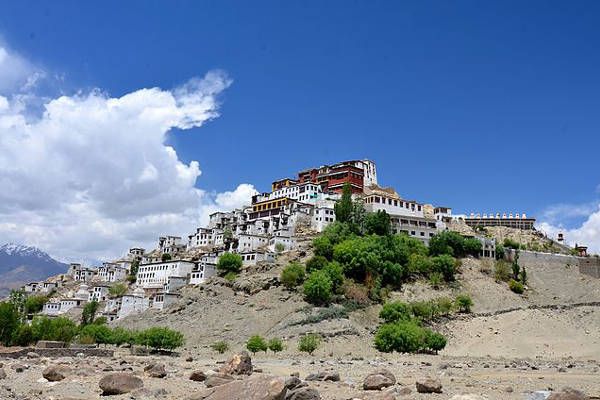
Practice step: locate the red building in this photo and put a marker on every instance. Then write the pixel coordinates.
(332, 178)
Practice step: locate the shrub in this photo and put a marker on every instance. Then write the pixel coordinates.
(395, 311)
(101, 334)
(256, 343)
(89, 312)
(220, 347)
(100, 321)
(336, 274)
(22, 336)
(160, 338)
(316, 263)
(515, 286)
(499, 252)
(511, 244)
(425, 309)
(419, 264)
(275, 345)
(473, 247)
(121, 336)
(317, 288)
(165, 257)
(61, 329)
(229, 262)
(502, 271)
(377, 223)
(230, 276)
(434, 341)
(279, 247)
(444, 264)
(447, 242)
(444, 305)
(292, 275)
(9, 322)
(400, 336)
(436, 279)
(322, 247)
(309, 343)
(116, 290)
(523, 276)
(34, 304)
(356, 293)
(464, 303)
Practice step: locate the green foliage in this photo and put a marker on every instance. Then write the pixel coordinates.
(133, 270)
(377, 223)
(229, 262)
(516, 269)
(336, 274)
(447, 242)
(318, 287)
(9, 322)
(322, 314)
(473, 247)
(34, 304)
(279, 247)
(434, 341)
(116, 290)
(275, 345)
(322, 247)
(292, 275)
(316, 263)
(444, 264)
(309, 343)
(523, 276)
(511, 244)
(230, 276)
(220, 347)
(89, 312)
(336, 232)
(499, 252)
(424, 310)
(395, 311)
(100, 321)
(400, 336)
(22, 336)
(343, 208)
(464, 303)
(436, 279)
(516, 287)
(101, 334)
(256, 343)
(502, 271)
(160, 338)
(165, 257)
(227, 233)
(61, 329)
(419, 264)
(444, 305)
(18, 298)
(121, 336)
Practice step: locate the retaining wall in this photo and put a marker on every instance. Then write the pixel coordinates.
(587, 265)
(58, 352)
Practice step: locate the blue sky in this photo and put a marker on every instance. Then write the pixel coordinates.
(482, 106)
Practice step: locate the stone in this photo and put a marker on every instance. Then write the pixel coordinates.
(55, 373)
(405, 391)
(32, 354)
(198, 376)
(466, 397)
(379, 379)
(155, 370)
(332, 376)
(119, 383)
(258, 387)
(303, 393)
(2, 373)
(19, 367)
(292, 382)
(217, 380)
(429, 385)
(238, 364)
(568, 394)
(189, 359)
(50, 344)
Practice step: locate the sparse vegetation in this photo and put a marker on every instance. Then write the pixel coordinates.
(275, 345)
(464, 303)
(407, 336)
(309, 343)
(279, 247)
(292, 275)
(256, 343)
(165, 257)
(229, 262)
(117, 290)
(220, 347)
(516, 286)
(502, 271)
(89, 312)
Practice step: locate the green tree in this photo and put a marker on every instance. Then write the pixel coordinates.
(275, 345)
(464, 303)
(22, 336)
(121, 336)
(101, 334)
(523, 276)
(317, 288)
(227, 233)
(117, 290)
(18, 298)
(322, 247)
(473, 247)
(516, 269)
(9, 321)
(229, 262)
(343, 207)
(447, 242)
(400, 336)
(499, 252)
(316, 263)
(256, 343)
(444, 264)
(165, 257)
(159, 338)
(35, 304)
(133, 270)
(309, 343)
(378, 223)
(434, 341)
(89, 313)
(292, 275)
(336, 274)
(61, 329)
(395, 311)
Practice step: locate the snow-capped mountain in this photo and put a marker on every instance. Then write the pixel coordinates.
(20, 264)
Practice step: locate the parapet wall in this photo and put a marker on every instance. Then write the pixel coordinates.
(57, 352)
(587, 265)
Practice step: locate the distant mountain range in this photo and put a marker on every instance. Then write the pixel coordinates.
(20, 264)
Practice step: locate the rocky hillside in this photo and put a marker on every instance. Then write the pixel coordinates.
(20, 264)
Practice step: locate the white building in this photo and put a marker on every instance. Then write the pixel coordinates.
(70, 303)
(203, 237)
(287, 242)
(134, 302)
(202, 272)
(163, 300)
(253, 257)
(154, 275)
(323, 215)
(175, 283)
(98, 293)
(32, 287)
(112, 272)
(83, 292)
(51, 308)
(81, 273)
(170, 244)
(249, 242)
(136, 253)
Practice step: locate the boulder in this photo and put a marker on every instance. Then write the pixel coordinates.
(332, 376)
(55, 373)
(429, 385)
(259, 387)
(292, 382)
(239, 364)
(32, 354)
(198, 376)
(2, 373)
(568, 394)
(379, 379)
(155, 370)
(217, 380)
(303, 393)
(119, 383)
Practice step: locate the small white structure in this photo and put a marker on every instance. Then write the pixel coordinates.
(31, 287)
(68, 304)
(249, 242)
(81, 273)
(83, 293)
(202, 272)
(162, 300)
(155, 275)
(98, 293)
(111, 272)
(253, 257)
(134, 302)
(51, 308)
(175, 283)
(287, 242)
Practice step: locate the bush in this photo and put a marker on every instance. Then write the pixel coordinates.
(9, 322)
(316, 263)
(317, 288)
(322, 247)
(220, 347)
(89, 312)
(425, 310)
(256, 343)
(165, 257)
(436, 279)
(336, 274)
(395, 311)
(444, 305)
(444, 264)
(511, 244)
(275, 345)
(35, 304)
(309, 343)
(101, 334)
(159, 338)
(419, 264)
(229, 262)
(515, 286)
(61, 329)
(230, 276)
(400, 336)
(377, 223)
(22, 336)
(499, 252)
(279, 247)
(502, 271)
(447, 242)
(473, 247)
(434, 341)
(292, 275)
(464, 303)
(116, 290)
(121, 336)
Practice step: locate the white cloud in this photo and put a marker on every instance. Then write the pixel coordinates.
(587, 233)
(92, 176)
(17, 73)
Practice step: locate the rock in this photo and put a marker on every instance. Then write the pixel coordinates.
(189, 359)
(332, 376)
(55, 373)
(19, 367)
(119, 383)
(2, 373)
(198, 376)
(404, 391)
(429, 385)
(292, 382)
(32, 354)
(217, 380)
(379, 379)
(303, 393)
(379, 396)
(155, 370)
(239, 364)
(568, 394)
(466, 397)
(539, 395)
(258, 387)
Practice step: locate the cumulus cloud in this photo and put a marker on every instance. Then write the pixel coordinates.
(17, 73)
(587, 233)
(93, 176)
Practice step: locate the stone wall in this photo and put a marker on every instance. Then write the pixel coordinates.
(587, 265)
(57, 352)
